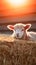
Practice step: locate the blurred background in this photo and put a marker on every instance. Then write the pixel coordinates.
(16, 11)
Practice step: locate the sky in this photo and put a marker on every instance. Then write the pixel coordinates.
(17, 10)
(8, 7)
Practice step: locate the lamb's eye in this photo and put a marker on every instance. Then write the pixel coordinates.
(22, 29)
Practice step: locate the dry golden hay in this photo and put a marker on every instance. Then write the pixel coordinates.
(10, 39)
(17, 52)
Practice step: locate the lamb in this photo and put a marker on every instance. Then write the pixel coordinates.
(21, 31)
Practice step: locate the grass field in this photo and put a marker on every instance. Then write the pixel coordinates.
(16, 52)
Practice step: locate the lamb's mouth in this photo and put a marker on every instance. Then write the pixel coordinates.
(19, 37)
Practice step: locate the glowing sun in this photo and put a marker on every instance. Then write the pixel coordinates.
(16, 2)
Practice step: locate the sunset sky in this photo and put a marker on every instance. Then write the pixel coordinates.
(17, 7)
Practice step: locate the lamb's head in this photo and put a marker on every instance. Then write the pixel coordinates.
(19, 29)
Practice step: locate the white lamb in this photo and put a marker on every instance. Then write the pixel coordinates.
(21, 31)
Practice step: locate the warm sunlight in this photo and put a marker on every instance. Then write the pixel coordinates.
(16, 2)
(17, 7)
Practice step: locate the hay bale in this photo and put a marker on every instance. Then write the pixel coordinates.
(17, 52)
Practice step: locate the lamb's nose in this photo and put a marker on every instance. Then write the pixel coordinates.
(17, 35)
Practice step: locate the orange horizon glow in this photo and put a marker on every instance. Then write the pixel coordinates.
(17, 7)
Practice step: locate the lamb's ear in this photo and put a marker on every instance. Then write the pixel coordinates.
(11, 27)
(27, 26)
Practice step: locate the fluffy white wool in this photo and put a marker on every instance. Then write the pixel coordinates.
(21, 31)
